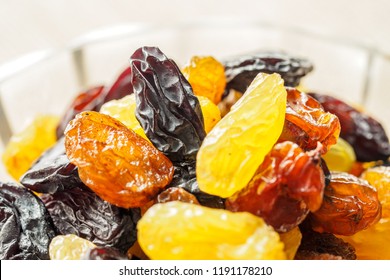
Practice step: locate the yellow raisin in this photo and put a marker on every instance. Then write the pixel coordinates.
(26, 146)
(211, 113)
(236, 146)
(292, 240)
(124, 110)
(69, 247)
(374, 242)
(179, 230)
(340, 157)
(206, 76)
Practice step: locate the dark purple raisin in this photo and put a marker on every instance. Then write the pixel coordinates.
(26, 226)
(105, 253)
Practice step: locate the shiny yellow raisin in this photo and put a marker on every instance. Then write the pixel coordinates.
(124, 110)
(26, 146)
(179, 230)
(69, 247)
(374, 242)
(292, 240)
(210, 111)
(206, 76)
(340, 157)
(236, 146)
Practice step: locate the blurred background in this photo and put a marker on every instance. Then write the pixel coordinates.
(52, 49)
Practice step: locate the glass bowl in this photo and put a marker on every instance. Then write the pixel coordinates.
(46, 81)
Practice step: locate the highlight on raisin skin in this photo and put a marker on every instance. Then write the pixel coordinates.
(307, 123)
(374, 242)
(286, 186)
(206, 76)
(116, 163)
(185, 231)
(238, 143)
(350, 205)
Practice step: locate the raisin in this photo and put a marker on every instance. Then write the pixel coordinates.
(340, 157)
(106, 253)
(167, 109)
(26, 146)
(211, 113)
(226, 103)
(241, 71)
(206, 76)
(323, 246)
(189, 231)
(350, 204)
(69, 247)
(365, 134)
(286, 186)
(81, 212)
(124, 110)
(85, 101)
(116, 163)
(307, 123)
(26, 226)
(291, 240)
(374, 242)
(52, 172)
(238, 143)
(176, 194)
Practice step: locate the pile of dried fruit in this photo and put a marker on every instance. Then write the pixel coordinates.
(217, 160)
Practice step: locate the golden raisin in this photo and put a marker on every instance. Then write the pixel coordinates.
(350, 205)
(211, 113)
(206, 76)
(340, 157)
(238, 143)
(291, 240)
(69, 247)
(124, 110)
(179, 230)
(26, 146)
(116, 163)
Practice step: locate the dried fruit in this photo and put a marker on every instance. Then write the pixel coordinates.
(69, 247)
(81, 212)
(374, 242)
(52, 172)
(115, 162)
(307, 123)
(124, 110)
(176, 194)
(350, 204)
(340, 157)
(167, 109)
(26, 146)
(364, 133)
(194, 232)
(287, 185)
(26, 226)
(291, 240)
(238, 143)
(106, 253)
(206, 76)
(241, 71)
(211, 113)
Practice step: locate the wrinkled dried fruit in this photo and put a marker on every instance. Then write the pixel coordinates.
(374, 242)
(238, 143)
(81, 212)
(124, 111)
(69, 247)
(291, 240)
(206, 76)
(176, 194)
(340, 157)
(230, 99)
(307, 123)
(211, 113)
(115, 162)
(26, 146)
(195, 232)
(26, 226)
(350, 204)
(106, 253)
(167, 109)
(364, 133)
(52, 172)
(241, 71)
(286, 186)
